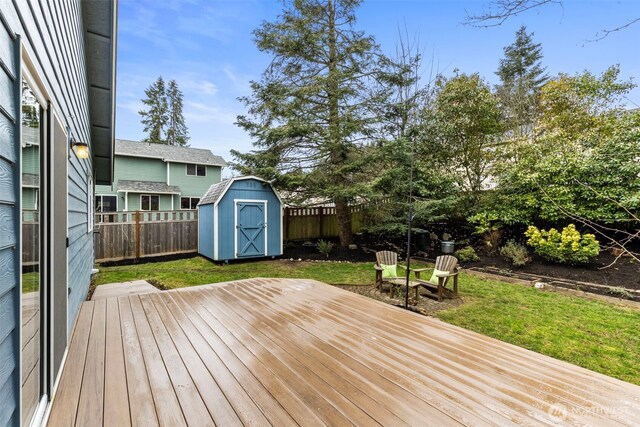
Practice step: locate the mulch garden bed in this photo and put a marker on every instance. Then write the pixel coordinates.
(625, 273)
(609, 279)
(308, 252)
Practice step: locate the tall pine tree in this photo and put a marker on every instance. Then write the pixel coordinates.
(177, 132)
(155, 118)
(521, 77)
(310, 114)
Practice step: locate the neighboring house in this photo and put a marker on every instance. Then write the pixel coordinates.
(151, 177)
(57, 90)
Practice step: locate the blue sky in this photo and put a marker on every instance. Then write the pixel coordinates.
(207, 47)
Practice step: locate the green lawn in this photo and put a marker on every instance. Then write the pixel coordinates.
(596, 335)
(593, 334)
(199, 271)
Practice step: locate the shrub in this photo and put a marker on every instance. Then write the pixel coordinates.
(383, 231)
(467, 254)
(324, 247)
(516, 253)
(491, 241)
(487, 226)
(568, 247)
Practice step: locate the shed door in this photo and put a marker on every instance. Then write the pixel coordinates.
(250, 229)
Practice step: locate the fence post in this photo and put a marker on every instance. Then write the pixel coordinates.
(321, 208)
(137, 217)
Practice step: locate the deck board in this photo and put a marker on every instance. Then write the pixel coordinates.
(142, 408)
(164, 396)
(378, 370)
(370, 397)
(259, 383)
(189, 398)
(221, 412)
(91, 400)
(511, 368)
(65, 404)
(298, 352)
(116, 395)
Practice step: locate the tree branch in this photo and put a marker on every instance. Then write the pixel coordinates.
(604, 33)
(501, 10)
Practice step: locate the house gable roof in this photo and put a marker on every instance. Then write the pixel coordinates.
(168, 153)
(217, 191)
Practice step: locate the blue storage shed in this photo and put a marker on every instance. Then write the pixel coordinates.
(240, 218)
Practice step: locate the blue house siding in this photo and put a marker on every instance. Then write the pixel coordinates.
(10, 184)
(205, 228)
(248, 190)
(51, 36)
(80, 252)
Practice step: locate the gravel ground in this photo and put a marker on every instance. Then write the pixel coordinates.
(426, 305)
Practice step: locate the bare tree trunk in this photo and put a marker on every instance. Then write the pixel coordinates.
(343, 215)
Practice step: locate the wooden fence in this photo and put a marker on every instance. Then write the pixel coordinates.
(318, 222)
(135, 235)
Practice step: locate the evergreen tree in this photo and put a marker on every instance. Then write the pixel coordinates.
(310, 114)
(156, 117)
(177, 132)
(521, 75)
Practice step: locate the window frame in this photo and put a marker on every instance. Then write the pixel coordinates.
(102, 196)
(190, 198)
(150, 203)
(196, 166)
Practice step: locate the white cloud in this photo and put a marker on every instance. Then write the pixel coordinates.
(133, 106)
(198, 112)
(209, 88)
(196, 85)
(218, 22)
(231, 75)
(241, 82)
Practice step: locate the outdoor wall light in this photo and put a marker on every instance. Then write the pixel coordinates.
(81, 149)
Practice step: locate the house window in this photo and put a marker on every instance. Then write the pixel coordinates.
(196, 170)
(106, 203)
(189, 202)
(149, 203)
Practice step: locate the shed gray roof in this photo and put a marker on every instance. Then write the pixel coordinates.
(168, 153)
(146, 187)
(216, 191)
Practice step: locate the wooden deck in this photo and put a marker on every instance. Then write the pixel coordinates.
(286, 352)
